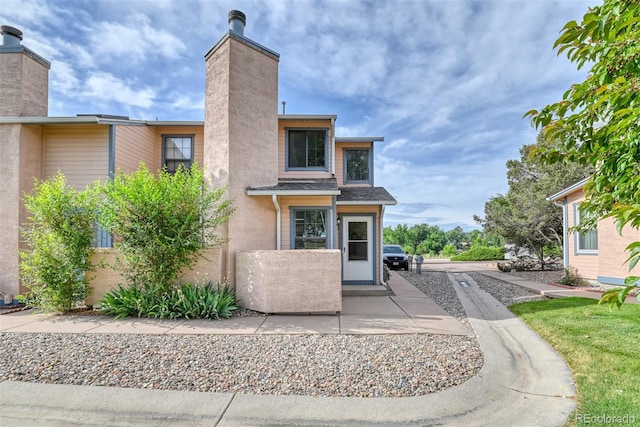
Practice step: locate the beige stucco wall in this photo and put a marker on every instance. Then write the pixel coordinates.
(105, 278)
(612, 247)
(609, 262)
(241, 131)
(10, 207)
(283, 125)
(298, 281)
(24, 86)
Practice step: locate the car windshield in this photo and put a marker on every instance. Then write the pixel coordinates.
(393, 250)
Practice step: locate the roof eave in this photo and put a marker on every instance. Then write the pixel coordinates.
(562, 193)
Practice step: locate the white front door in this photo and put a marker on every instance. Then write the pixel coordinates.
(358, 256)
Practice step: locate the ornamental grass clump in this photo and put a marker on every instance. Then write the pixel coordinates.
(185, 301)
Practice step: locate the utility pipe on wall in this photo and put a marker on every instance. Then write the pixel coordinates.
(274, 198)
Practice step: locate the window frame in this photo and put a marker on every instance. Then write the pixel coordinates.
(369, 179)
(292, 233)
(164, 149)
(577, 235)
(287, 143)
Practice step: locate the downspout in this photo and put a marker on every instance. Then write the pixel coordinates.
(112, 151)
(274, 198)
(333, 147)
(565, 233)
(381, 267)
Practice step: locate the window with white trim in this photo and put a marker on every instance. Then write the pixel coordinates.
(177, 150)
(586, 241)
(357, 164)
(307, 149)
(309, 226)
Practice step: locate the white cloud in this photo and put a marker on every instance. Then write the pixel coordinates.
(133, 41)
(107, 87)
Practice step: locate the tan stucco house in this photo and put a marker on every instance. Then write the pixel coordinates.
(308, 216)
(597, 255)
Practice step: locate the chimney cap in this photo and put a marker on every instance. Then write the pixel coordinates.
(236, 14)
(7, 29)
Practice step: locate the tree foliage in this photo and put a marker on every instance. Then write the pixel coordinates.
(432, 240)
(523, 216)
(59, 237)
(162, 223)
(597, 121)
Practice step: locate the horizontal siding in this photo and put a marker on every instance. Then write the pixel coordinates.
(198, 139)
(135, 144)
(282, 126)
(81, 152)
(340, 166)
(287, 202)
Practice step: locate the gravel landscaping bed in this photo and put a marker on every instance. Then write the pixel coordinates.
(505, 292)
(314, 365)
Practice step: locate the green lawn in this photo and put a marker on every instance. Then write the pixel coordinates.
(602, 347)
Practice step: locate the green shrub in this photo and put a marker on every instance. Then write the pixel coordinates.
(480, 253)
(449, 251)
(572, 278)
(185, 301)
(163, 223)
(60, 243)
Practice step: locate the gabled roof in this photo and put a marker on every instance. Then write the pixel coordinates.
(562, 193)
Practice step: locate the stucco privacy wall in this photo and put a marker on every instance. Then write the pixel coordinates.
(105, 278)
(241, 131)
(294, 281)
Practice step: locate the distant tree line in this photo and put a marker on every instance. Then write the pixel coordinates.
(425, 239)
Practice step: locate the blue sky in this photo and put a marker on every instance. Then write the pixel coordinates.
(445, 82)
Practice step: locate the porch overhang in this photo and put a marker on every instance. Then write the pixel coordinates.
(298, 187)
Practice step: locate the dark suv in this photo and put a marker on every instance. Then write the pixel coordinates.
(394, 257)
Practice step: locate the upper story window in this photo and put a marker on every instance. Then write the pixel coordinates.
(307, 149)
(358, 167)
(177, 150)
(586, 241)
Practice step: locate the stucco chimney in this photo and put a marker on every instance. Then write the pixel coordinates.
(237, 21)
(10, 36)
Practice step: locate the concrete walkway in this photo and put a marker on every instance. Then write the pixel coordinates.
(523, 381)
(408, 312)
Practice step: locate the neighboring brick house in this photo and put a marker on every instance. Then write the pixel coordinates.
(597, 255)
(294, 183)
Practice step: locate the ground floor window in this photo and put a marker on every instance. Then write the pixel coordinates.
(586, 240)
(309, 227)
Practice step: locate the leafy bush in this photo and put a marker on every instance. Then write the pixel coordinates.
(480, 253)
(572, 278)
(449, 251)
(60, 240)
(162, 223)
(186, 301)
